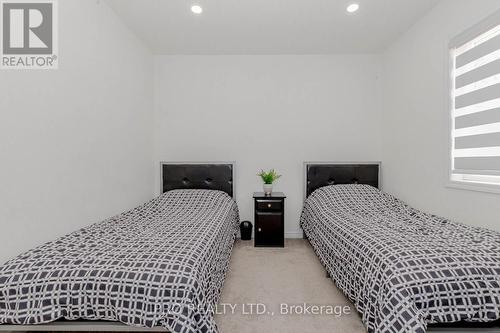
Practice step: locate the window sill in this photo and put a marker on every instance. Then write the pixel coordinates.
(473, 186)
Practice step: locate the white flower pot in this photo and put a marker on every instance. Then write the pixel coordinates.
(268, 189)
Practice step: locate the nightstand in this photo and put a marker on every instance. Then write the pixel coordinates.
(269, 219)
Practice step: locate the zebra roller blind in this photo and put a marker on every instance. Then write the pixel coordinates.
(475, 153)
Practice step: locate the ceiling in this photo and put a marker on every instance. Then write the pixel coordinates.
(269, 26)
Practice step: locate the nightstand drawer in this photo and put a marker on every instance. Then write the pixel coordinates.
(269, 205)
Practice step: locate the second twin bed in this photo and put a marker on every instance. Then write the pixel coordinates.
(403, 269)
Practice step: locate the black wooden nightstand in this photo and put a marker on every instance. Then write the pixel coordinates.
(269, 219)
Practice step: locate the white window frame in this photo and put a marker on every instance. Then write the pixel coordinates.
(490, 184)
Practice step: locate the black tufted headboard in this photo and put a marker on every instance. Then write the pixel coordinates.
(211, 176)
(323, 174)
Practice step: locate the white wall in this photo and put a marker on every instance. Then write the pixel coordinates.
(416, 116)
(267, 112)
(75, 143)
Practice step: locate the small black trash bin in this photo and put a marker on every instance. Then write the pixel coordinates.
(246, 230)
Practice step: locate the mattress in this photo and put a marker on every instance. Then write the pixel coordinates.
(162, 263)
(403, 269)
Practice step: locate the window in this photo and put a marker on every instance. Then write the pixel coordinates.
(475, 106)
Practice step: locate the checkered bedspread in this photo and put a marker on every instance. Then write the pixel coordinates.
(402, 268)
(163, 263)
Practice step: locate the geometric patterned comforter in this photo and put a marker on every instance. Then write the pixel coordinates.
(162, 263)
(403, 269)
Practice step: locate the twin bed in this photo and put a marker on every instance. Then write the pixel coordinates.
(402, 269)
(161, 266)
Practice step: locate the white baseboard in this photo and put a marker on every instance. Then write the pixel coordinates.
(294, 235)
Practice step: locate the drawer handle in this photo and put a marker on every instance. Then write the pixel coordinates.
(260, 230)
(269, 205)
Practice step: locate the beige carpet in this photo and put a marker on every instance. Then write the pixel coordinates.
(292, 276)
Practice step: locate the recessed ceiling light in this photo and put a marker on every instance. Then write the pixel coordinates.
(352, 8)
(196, 9)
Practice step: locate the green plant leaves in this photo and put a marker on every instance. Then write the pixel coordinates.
(269, 177)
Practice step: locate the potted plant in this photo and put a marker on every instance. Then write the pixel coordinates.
(268, 178)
